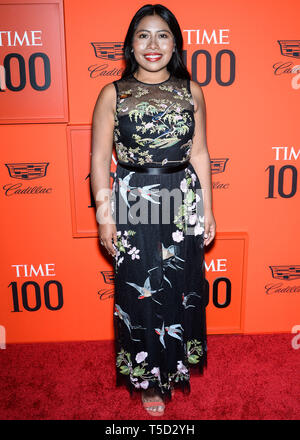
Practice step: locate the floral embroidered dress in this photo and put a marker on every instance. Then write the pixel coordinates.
(160, 288)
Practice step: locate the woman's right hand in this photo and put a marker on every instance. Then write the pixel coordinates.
(108, 237)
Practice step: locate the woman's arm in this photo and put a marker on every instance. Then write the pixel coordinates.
(200, 159)
(102, 145)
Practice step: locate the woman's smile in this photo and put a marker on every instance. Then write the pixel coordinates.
(152, 57)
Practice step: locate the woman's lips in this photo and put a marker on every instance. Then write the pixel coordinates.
(153, 57)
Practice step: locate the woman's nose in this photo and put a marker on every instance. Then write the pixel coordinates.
(152, 43)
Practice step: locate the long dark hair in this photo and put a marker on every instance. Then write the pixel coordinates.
(176, 65)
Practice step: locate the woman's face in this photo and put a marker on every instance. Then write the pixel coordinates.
(153, 43)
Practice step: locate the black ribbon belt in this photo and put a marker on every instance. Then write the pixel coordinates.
(154, 170)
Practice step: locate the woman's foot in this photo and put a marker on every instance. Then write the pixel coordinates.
(149, 396)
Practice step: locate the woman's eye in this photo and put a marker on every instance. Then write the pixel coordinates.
(142, 35)
(163, 35)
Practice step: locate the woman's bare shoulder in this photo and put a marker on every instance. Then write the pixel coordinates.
(198, 96)
(108, 91)
(107, 98)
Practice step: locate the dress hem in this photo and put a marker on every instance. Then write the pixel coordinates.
(196, 370)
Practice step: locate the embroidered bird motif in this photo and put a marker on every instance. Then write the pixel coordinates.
(185, 299)
(159, 115)
(161, 333)
(125, 187)
(147, 192)
(174, 329)
(146, 291)
(178, 92)
(126, 319)
(169, 256)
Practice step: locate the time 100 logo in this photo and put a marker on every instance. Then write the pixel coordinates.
(221, 57)
(17, 60)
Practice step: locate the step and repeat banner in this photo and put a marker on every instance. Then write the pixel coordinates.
(57, 282)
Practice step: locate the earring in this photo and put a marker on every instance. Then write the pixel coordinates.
(131, 50)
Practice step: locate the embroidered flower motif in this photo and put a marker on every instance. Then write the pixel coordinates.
(119, 261)
(149, 125)
(141, 356)
(145, 384)
(187, 212)
(124, 246)
(198, 230)
(192, 207)
(177, 236)
(181, 368)
(140, 377)
(156, 371)
(192, 219)
(194, 351)
(134, 253)
(194, 178)
(124, 242)
(141, 92)
(183, 185)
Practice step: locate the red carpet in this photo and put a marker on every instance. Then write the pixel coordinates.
(247, 378)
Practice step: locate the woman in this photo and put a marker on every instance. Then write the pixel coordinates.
(157, 119)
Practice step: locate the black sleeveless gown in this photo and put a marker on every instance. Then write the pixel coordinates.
(160, 287)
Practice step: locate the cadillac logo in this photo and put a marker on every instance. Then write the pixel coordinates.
(27, 171)
(285, 272)
(218, 165)
(109, 51)
(108, 276)
(290, 48)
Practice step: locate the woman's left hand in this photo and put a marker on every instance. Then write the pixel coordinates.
(209, 227)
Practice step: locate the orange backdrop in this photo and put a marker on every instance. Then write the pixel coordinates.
(55, 56)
